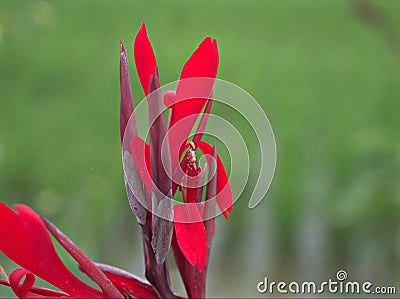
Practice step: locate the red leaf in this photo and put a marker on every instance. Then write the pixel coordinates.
(144, 58)
(191, 237)
(224, 191)
(141, 156)
(25, 240)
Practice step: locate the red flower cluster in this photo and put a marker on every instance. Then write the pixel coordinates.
(154, 172)
(160, 173)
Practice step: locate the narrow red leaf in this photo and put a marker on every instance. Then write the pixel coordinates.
(25, 240)
(190, 234)
(144, 58)
(224, 191)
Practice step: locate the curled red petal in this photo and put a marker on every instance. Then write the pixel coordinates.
(141, 156)
(190, 234)
(144, 58)
(39, 291)
(21, 289)
(224, 191)
(25, 240)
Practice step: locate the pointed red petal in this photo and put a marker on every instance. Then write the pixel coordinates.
(191, 95)
(191, 237)
(141, 156)
(126, 103)
(144, 58)
(224, 191)
(203, 62)
(25, 240)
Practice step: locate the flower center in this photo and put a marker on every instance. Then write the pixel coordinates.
(192, 159)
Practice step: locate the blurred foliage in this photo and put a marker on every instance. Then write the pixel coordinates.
(325, 72)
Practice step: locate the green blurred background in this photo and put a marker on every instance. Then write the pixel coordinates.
(326, 73)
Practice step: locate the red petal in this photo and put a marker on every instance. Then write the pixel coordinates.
(224, 191)
(25, 240)
(202, 64)
(192, 95)
(191, 237)
(141, 156)
(196, 140)
(144, 58)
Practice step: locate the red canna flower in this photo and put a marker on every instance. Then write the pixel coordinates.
(162, 175)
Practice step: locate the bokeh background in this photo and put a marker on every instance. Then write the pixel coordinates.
(325, 72)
